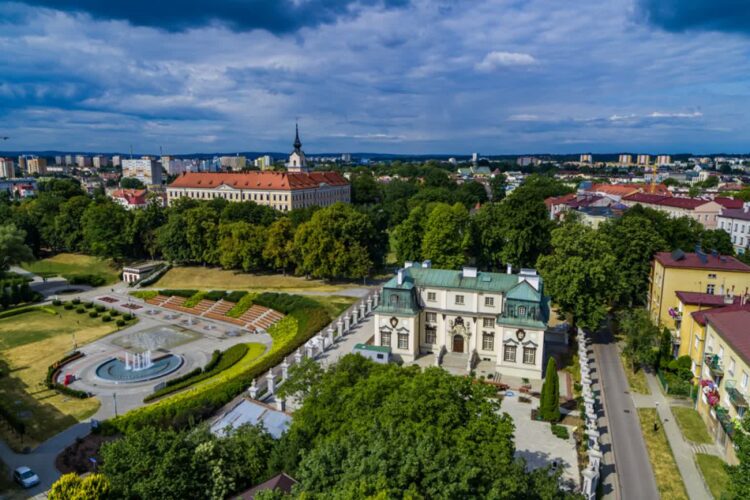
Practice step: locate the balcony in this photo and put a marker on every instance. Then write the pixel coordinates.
(737, 399)
(713, 363)
(722, 415)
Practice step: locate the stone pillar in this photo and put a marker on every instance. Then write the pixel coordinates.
(593, 435)
(340, 328)
(270, 381)
(362, 311)
(280, 404)
(369, 305)
(329, 332)
(346, 323)
(590, 479)
(595, 459)
(375, 298)
(284, 370)
(298, 356)
(253, 390)
(354, 316)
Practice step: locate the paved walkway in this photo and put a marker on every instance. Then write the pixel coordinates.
(681, 448)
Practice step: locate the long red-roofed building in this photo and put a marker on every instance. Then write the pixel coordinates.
(283, 191)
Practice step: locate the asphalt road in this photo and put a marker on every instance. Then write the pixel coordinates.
(634, 474)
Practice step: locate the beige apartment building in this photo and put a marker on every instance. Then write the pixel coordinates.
(282, 191)
(36, 166)
(7, 168)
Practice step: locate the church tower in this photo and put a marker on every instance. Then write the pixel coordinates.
(297, 161)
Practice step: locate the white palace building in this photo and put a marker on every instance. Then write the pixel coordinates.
(472, 315)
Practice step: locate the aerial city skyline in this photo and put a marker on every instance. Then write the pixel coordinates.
(409, 77)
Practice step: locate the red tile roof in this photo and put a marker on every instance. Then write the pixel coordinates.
(732, 326)
(705, 299)
(559, 200)
(693, 261)
(282, 181)
(669, 201)
(700, 316)
(728, 202)
(131, 196)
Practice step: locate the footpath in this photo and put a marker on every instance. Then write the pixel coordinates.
(683, 450)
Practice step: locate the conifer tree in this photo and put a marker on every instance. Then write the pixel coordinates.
(549, 404)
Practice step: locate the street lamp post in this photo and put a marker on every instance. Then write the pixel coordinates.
(114, 397)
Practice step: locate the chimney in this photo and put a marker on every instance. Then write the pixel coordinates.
(469, 272)
(746, 207)
(509, 268)
(427, 264)
(400, 278)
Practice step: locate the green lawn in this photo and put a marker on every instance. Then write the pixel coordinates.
(65, 264)
(206, 278)
(712, 468)
(691, 424)
(636, 380)
(668, 478)
(31, 342)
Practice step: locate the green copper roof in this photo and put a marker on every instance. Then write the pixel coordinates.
(447, 278)
(522, 322)
(524, 291)
(374, 348)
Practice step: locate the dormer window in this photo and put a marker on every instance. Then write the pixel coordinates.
(522, 311)
(394, 300)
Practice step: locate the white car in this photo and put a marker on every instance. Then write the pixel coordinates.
(25, 477)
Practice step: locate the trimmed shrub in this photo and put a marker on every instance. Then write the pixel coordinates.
(235, 296)
(100, 309)
(86, 279)
(120, 322)
(549, 404)
(68, 306)
(80, 310)
(106, 318)
(93, 314)
(178, 293)
(127, 316)
(76, 301)
(88, 305)
(114, 312)
(560, 431)
(57, 302)
(214, 295)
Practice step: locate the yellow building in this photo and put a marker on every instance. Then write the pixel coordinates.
(692, 272)
(725, 382)
(688, 331)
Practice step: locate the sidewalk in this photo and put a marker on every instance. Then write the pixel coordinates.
(681, 449)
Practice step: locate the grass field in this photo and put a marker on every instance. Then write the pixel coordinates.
(204, 278)
(30, 343)
(668, 478)
(636, 380)
(691, 424)
(712, 468)
(64, 264)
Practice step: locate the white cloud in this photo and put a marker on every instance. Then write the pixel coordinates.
(498, 59)
(523, 117)
(658, 114)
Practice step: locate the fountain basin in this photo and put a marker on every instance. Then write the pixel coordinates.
(114, 370)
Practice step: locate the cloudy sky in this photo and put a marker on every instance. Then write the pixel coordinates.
(399, 76)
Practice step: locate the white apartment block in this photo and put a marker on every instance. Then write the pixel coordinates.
(146, 170)
(736, 222)
(7, 168)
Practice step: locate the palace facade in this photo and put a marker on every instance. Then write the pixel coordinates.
(479, 316)
(283, 191)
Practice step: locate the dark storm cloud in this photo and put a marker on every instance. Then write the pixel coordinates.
(711, 15)
(276, 16)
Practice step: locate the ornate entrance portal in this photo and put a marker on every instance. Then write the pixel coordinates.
(458, 343)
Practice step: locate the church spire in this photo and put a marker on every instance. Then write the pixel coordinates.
(297, 142)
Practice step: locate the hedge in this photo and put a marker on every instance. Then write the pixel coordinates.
(15, 423)
(285, 303)
(179, 293)
(188, 408)
(235, 296)
(54, 369)
(22, 310)
(86, 279)
(219, 362)
(194, 299)
(215, 295)
(241, 306)
(154, 277)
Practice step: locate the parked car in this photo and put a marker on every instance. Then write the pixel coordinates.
(25, 477)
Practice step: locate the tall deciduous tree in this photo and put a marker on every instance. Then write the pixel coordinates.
(738, 486)
(279, 249)
(105, 225)
(338, 242)
(367, 430)
(641, 336)
(241, 246)
(526, 227)
(489, 236)
(68, 223)
(408, 236)
(202, 231)
(497, 187)
(633, 241)
(581, 274)
(13, 249)
(447, 236)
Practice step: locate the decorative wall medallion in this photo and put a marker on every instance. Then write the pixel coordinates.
(394, 321)
(520, 335)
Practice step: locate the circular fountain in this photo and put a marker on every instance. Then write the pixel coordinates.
(137, 367)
